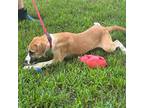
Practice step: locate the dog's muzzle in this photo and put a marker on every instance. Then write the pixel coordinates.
(27, 60)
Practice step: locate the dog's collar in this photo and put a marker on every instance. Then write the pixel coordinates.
(49, 39)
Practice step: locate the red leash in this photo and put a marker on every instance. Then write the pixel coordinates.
(39, 16)
(42, 23)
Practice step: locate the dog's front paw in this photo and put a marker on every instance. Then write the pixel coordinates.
(27, 67)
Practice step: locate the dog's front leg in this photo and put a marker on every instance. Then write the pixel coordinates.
(58, 57)
(41, 64)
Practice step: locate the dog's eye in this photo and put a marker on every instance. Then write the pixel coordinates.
(31, 53)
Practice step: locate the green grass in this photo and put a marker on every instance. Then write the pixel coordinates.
(71, 84)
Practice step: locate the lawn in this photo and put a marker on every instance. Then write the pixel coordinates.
(71, 84)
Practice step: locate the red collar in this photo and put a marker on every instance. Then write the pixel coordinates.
(49, 39)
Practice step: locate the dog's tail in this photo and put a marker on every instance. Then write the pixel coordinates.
(115, 27)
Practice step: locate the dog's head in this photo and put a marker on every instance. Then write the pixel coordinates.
(37, 48)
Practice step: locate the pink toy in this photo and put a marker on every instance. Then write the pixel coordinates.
(94, 61)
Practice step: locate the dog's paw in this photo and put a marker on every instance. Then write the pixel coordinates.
(27, 67)
(40, 65)
(96, 23)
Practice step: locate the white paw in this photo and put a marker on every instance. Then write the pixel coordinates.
(27, 67)
(121, 46)
(96, 23)
(123, 50)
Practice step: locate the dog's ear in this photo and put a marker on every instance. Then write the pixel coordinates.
(41, 47)
(36, 46)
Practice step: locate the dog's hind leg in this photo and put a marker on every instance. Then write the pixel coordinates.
(118, 44)
(97, 24)
(111, 47)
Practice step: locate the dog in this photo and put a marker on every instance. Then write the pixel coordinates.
(65, 43)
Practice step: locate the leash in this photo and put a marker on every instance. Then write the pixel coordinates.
(42, 23)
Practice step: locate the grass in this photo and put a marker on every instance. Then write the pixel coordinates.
(71, 84)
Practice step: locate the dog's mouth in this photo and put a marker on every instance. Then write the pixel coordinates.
(30, 58)
(35, 61)
(31, 61)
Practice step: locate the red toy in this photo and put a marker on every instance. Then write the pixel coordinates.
(94, 61)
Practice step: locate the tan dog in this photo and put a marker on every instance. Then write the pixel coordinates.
(65, 43)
